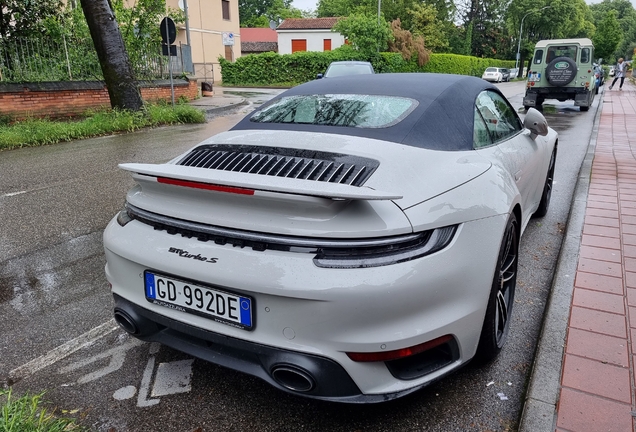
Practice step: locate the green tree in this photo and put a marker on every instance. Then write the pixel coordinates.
(139, 25)
(626, 15)
(425, 23)
(258, 13)
(364, 32)
(562, 19)
(344, 8)
(20, 18)
(608, 36)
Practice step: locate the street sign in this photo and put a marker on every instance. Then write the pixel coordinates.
(168, 31)
(170, 50)
(228, 38)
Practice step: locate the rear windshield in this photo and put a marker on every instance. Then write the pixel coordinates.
(347, 69)
(352, 110)
(491, 69)
(561, 51)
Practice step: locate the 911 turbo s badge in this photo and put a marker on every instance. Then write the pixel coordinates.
(185, 254)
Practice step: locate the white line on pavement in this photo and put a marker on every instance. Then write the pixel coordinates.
(63, 350)
(14, 194)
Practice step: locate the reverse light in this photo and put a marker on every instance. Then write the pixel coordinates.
(383, 356)
(123, 217)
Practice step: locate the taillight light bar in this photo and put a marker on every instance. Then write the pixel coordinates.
(205, 186)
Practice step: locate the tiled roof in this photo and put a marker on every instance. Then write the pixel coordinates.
(308, 23)
(258, 47)
(258, 35)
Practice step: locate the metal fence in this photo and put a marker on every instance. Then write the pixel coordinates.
(37, 60)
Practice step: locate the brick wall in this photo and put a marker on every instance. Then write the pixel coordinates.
(68, 99)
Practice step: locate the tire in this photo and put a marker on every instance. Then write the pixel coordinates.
(502, 295)
(561, 71)
(544, 204)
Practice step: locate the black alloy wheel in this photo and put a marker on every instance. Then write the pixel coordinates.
(502, 295)
(544, 204)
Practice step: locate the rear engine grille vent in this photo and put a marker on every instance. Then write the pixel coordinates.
(283, 162)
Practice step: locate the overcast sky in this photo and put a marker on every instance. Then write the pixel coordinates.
(308, 4)
(311, 4)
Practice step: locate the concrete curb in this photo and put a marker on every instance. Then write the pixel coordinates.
(216, 109)
(539, 411)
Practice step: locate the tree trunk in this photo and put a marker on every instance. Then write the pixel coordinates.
(113, 58)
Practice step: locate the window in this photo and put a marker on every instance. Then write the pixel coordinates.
(538, 56)
(501, 120)
(228, 53)
(225, 4)
(352, 110)
(326, 45)
(299, 45)
(562, 51)
(585, 55)
(481, 137)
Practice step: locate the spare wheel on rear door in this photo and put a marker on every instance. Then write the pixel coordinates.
(561, 71)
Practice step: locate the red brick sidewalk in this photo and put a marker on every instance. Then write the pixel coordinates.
(597, 381)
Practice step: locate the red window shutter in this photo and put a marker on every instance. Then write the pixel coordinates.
(299, 45)
(326, 45)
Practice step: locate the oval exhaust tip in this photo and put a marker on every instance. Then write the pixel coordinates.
(293, 379)
(126, 322)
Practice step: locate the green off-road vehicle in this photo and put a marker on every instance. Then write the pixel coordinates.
(561, 69)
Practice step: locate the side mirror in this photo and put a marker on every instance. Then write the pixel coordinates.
(536, 123)
(319, 76)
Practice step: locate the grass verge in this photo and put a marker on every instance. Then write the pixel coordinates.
(26, 414)
(37, 132)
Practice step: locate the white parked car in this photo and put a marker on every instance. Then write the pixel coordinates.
(351, 240)
(494, 74)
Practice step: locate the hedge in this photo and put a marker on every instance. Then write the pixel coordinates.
(270, 69)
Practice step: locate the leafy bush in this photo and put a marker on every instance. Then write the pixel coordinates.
(271, 69)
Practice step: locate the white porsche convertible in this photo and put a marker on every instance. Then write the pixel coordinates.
(354, 239)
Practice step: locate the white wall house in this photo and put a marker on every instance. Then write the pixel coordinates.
(308, 34)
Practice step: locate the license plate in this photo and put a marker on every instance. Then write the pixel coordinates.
(221, 306)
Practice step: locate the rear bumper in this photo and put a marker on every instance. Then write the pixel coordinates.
(309, 312)
(302, 374)
(580, 95)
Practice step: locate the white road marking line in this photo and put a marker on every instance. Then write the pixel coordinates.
(63, 350)
(172, 378)
(144, 388)
(14, 194)
(117, 356)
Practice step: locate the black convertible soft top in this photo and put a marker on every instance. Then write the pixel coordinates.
(443, 119)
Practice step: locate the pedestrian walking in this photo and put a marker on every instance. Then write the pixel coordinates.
(620, 73)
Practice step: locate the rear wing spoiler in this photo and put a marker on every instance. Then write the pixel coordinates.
(250, 184)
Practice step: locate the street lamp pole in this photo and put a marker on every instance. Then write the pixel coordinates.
(520, 31)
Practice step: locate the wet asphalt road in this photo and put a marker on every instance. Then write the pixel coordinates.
(54, 204)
